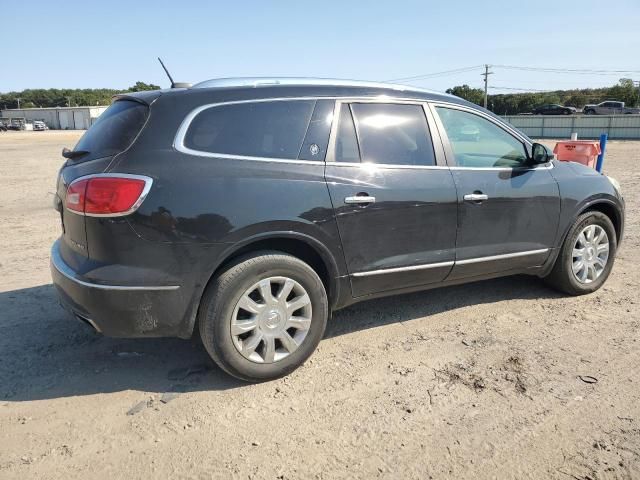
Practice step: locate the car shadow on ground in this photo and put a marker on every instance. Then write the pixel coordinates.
(45, 354)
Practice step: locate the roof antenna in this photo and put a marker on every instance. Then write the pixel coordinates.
(173, 84)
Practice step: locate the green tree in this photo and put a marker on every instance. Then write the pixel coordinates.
(141, 86)
(625, 91)
(473, 95)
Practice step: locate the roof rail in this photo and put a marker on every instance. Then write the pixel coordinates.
(304, 81)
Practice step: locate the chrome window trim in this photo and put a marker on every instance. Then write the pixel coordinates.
(148, 181)
(386, 166)
(373, 166)
(450, 263)
(543, 166)
(178, 141)
(499, 123)
(59, 264)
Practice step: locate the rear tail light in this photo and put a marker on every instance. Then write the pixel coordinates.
(107, 195)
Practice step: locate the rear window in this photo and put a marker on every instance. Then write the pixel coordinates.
(274, 129)
(115, 129)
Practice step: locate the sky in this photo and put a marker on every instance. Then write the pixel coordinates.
(113, 44)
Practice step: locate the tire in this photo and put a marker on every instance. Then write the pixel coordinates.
(562, 276)
(221, 316)
(590, 112)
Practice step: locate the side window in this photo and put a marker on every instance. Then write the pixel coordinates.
(477, 142)
(393, 134)
(346, 140)
(315, 142)
(273, 129)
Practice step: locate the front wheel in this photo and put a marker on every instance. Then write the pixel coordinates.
(586, 256)
(263, 316)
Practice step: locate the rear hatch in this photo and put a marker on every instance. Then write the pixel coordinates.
(113, 133)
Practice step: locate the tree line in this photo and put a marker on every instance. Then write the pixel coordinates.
(514, 103)
(502, 104)
(65, 97)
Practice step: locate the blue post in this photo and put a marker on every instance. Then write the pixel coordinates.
(603, 146)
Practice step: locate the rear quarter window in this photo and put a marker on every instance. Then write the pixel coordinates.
(115, 129)
(273, 129)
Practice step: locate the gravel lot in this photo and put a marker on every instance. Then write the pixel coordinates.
(480, 381)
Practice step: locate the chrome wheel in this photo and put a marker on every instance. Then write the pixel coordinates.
(271, 320)
(590, 254)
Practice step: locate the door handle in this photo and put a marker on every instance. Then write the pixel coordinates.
(475, 197)
(360, 199)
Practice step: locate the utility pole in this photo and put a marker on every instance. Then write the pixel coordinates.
(18, 103)
(637, 82)
(486, 80)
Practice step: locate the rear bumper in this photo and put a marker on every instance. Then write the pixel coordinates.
(118, 310)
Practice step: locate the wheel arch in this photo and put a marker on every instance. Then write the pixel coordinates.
(608, 208)
(299, 245)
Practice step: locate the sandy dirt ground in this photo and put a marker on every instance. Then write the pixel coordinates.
(482, 380)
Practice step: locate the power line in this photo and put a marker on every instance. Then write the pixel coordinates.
(436, 74)
(578, 71)
(522, 89)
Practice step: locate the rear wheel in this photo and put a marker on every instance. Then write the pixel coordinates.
(263, 316)
(586, 257)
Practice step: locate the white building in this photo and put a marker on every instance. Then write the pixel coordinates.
(56, 118)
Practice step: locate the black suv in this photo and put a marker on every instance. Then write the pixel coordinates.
(251, 209)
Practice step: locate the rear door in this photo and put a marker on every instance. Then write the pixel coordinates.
(508, 211)
(394, 199)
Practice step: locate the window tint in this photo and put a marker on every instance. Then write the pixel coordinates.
(346, 140)
(114, 130)
(393, 134)
(477, 142)
(261, 129)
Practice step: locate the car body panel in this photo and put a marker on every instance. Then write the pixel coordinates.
(411, 223)
(523, 211)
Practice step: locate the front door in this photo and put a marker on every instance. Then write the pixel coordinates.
(394, 203)
(508, 210)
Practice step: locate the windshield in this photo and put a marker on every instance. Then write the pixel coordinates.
(114, 130)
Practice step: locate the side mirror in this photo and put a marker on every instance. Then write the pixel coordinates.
(540, 154)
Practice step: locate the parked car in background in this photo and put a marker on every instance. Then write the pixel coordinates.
(39, 125)
(554, 109)
(609, 107)
(249, 209)
(3, 127)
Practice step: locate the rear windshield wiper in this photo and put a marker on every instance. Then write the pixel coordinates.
(71, 154)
